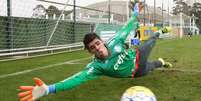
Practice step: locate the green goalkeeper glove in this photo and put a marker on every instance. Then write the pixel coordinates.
(32, 93)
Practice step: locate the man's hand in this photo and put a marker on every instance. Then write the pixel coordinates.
(32, 93)
(137, 6)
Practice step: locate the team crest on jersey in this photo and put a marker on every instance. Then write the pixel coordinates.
(90, 70)
(117, 48)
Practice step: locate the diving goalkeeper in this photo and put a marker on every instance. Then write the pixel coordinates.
(110, 59)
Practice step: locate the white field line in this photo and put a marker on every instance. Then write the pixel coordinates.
(180, 70)
(27, 57)
(76, 61)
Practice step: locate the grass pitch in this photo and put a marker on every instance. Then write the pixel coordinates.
(181, 83)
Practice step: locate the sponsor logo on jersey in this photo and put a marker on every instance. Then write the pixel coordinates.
(90, 70)
(120, 60)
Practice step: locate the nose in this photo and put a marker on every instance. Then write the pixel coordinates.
(97, 47)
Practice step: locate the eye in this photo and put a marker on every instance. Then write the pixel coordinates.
(98, 43)
(92, 47)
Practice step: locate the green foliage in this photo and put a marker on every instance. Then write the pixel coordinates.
(194, 10)
(182, 83)
(181, 6)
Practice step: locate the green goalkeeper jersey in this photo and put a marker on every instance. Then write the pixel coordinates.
(120, 62)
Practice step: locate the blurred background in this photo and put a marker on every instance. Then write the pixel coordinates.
(29, 26)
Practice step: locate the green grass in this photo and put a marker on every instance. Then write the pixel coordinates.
(183, 83)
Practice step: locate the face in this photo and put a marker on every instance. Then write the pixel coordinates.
(98, 48)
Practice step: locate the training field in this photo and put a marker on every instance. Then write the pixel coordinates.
(181, 83)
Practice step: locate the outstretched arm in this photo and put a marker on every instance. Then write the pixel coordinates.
(32, 93)
(75, 80)
(132, 24)
(123, 33)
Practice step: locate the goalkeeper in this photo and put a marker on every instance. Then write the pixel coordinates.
(111, 59)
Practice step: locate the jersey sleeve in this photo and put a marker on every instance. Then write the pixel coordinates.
(123, 33)
(87, 74)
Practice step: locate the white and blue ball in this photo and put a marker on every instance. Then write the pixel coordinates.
(138, 93)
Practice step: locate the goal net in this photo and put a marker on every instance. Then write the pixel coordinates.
(35, 24)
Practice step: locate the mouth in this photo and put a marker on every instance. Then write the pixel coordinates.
(100, 53)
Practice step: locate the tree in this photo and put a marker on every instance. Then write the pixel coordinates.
(39, 11)
(196, 11)
(181, 6)
(51, 10)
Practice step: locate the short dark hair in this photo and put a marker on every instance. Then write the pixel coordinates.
(89, 37)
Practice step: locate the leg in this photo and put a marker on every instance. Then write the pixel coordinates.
(148, 67)
(144, 52)
(146, 48)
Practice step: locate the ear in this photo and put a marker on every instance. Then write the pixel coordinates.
(87, 49)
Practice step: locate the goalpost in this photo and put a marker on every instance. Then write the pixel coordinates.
(30, 26)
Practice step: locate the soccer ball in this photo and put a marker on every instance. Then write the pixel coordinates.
(138, 93)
